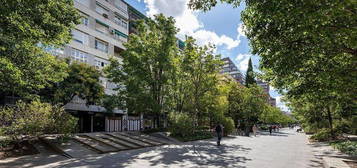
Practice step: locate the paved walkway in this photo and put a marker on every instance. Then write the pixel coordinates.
(286, 149)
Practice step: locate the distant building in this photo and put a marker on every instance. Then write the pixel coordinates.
(272, 101)
(230, 68)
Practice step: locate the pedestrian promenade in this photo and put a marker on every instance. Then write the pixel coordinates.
(280, 150)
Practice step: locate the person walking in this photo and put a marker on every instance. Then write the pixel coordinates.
(270, 129)
(255, 129)
(219, 132)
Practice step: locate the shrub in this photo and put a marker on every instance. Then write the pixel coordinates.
(181, 124)
(35, 119)
(343, 126)
(203, 128)
(321, 135)
(348, 147)
(264, 127)
(198, 135)
(228, 125)
(153, 130)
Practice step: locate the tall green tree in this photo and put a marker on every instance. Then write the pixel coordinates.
(25, 28)
(197, 79)
(307, 48)
(246, 104)
(144, 73)
(83, 81)
(249, 77)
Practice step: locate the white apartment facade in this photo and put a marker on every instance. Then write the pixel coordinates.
(103, 30)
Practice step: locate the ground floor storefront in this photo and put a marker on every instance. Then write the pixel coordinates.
(107, 122)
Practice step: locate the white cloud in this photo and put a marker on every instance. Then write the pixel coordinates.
(188, 23)
(186, 19)
(241, 30)
(204, 37)
(242, 60)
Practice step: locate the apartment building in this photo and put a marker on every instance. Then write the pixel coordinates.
(230, 68)
(266, 89)
(103, 30)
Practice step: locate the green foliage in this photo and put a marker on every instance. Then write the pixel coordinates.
(322, 135)
(342, 126)
(354, 125)
(228, 125)
(308, 51)
(153, 130)
(199, 135)
(35, 119)
(246, 104)
(146, 67)
(273, 115)
(195, 81)
(348, 147)
(181, 125)
(83, 81)
(249, 77)
(25, 66)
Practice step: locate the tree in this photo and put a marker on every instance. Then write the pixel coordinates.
(249, 78)
(246, 104)
(26, 28)
(83, 81)
(144, 74)
(196, 80)
(307, 48)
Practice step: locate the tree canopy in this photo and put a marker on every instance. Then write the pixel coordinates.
(83, 81)
(144, 72)
(308, 49)
(26, 27)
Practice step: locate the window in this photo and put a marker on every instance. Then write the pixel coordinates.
(101, 45)
(101, 10)
(84, 2)
(84, 19)
(101, 27)
(121, 5)
(78, 55)
(119, 35)
(53, 50)
(100, 63)
(80, 37)
(121, 22)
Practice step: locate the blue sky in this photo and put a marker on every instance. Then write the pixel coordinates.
(221, 26)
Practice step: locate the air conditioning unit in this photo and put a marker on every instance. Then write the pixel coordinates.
(105, 15)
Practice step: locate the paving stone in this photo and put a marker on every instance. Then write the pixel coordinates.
(330, 162)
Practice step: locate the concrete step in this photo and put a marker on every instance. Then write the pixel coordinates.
(140, 138)
(98, 146)
(128, 140)
(112, 141)
(68, 149)
(149, 137)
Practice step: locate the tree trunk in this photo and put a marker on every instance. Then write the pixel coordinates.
(329, 115)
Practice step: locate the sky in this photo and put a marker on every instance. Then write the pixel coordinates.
(221, 26)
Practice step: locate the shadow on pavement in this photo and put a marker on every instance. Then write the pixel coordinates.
(263, 133)
(192, 154)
